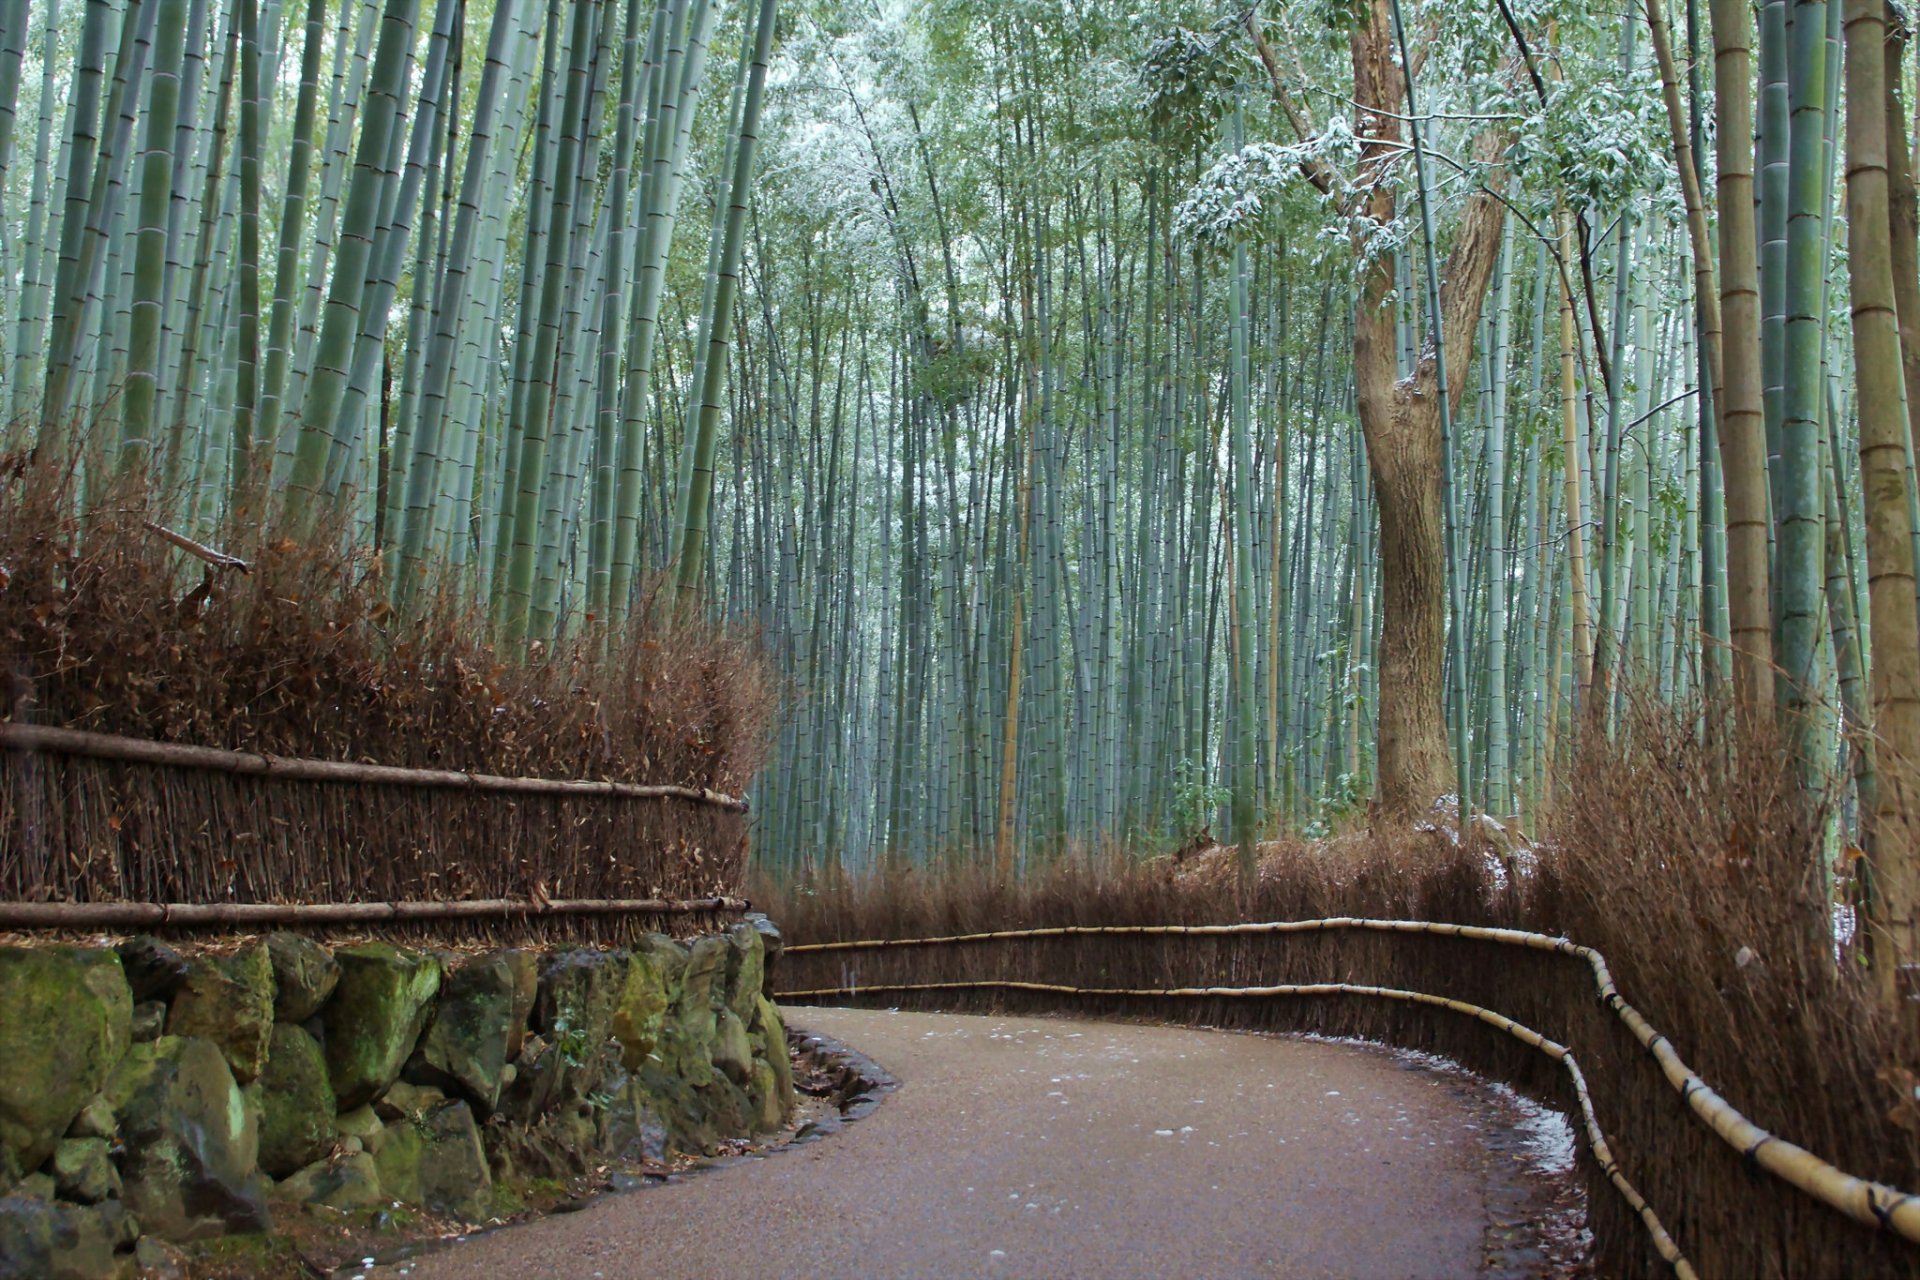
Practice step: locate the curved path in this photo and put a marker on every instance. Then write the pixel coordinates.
(1021, 1146)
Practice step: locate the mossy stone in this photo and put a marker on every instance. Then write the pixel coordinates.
(149, 1021)
(68, 1018)
(47, 1240)
(746, 968)
(732, 1050)
(304, 975)
(228, 999)
(768, 1023)
(154, 970)
(83, 1170)
(296, 1103)
(465, 1048)
(347, 1184)
(378, 1010)
(642, 1011)
(192, 1145)
(96, 1120)
(437, 1162)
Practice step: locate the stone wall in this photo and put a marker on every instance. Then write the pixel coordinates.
(182, 1094)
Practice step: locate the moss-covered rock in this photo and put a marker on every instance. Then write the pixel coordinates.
(405, 1101)
(378, 1010)
(437, 1162)
(296, 1103)
(149, 1021)
(465, 1048)
(746, 968)
(641, 1013)
(770, 1110)
(83, 1170)
(772, 1031)
(154, 970)
(304, 975)
(190, 1165)
(685, 1049)
(67, 1014)
(47, 1240)
(772, 946)
(96, 1120)
(580, 989)
(525, 968)
(732, 1050)
(349, 1183)
(228, 999)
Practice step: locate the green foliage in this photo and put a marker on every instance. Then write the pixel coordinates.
(1195, 800)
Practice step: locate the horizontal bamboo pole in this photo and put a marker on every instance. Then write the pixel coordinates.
(153, 915)
(106, 746)
(1663, 1241)
(1872, 1204)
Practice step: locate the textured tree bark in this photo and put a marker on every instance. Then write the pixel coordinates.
(1401, 423)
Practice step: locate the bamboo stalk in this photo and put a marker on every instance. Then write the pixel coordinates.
(178, 915)
(106, 746)
(1663, 1242)
(1872, 1204)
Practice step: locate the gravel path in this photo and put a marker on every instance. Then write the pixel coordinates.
(1023, 1146)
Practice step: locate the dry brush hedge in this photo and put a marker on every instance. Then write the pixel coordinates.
(110, 628)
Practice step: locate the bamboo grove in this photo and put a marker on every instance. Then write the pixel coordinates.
(1118, 421)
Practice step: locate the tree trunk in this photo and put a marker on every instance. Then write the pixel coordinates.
(1401, 423)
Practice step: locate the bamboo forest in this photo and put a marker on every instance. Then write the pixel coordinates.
(1117, 422)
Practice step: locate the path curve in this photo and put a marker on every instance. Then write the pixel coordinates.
(1023, 1146)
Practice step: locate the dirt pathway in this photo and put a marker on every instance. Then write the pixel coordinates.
(1025, 1146)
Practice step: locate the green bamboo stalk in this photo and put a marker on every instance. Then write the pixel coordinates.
(693, 515)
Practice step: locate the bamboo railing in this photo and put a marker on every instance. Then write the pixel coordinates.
(163, 915)
(1870, 1203)
(105, 746)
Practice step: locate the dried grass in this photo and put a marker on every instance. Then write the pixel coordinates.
(1694, 877)
(107, 627)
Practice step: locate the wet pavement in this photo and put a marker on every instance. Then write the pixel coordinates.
(1024, 1146)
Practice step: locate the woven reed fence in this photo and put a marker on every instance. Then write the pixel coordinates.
(98, 819)
(1681, 1182)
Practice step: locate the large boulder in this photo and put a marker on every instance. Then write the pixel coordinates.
(67, 1015)
(47, 1240)
(437, 1162)
(378, 1010)
(304, 974)
(228, 999)
(465, 1048)
(296, 1103)
(190, 1165)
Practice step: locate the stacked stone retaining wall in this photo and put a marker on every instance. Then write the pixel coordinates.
(167, 1093)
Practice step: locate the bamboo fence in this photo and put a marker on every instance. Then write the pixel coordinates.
(1700, 1189)
(102, 831)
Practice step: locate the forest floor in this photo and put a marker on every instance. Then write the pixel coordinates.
(1047, 1146)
